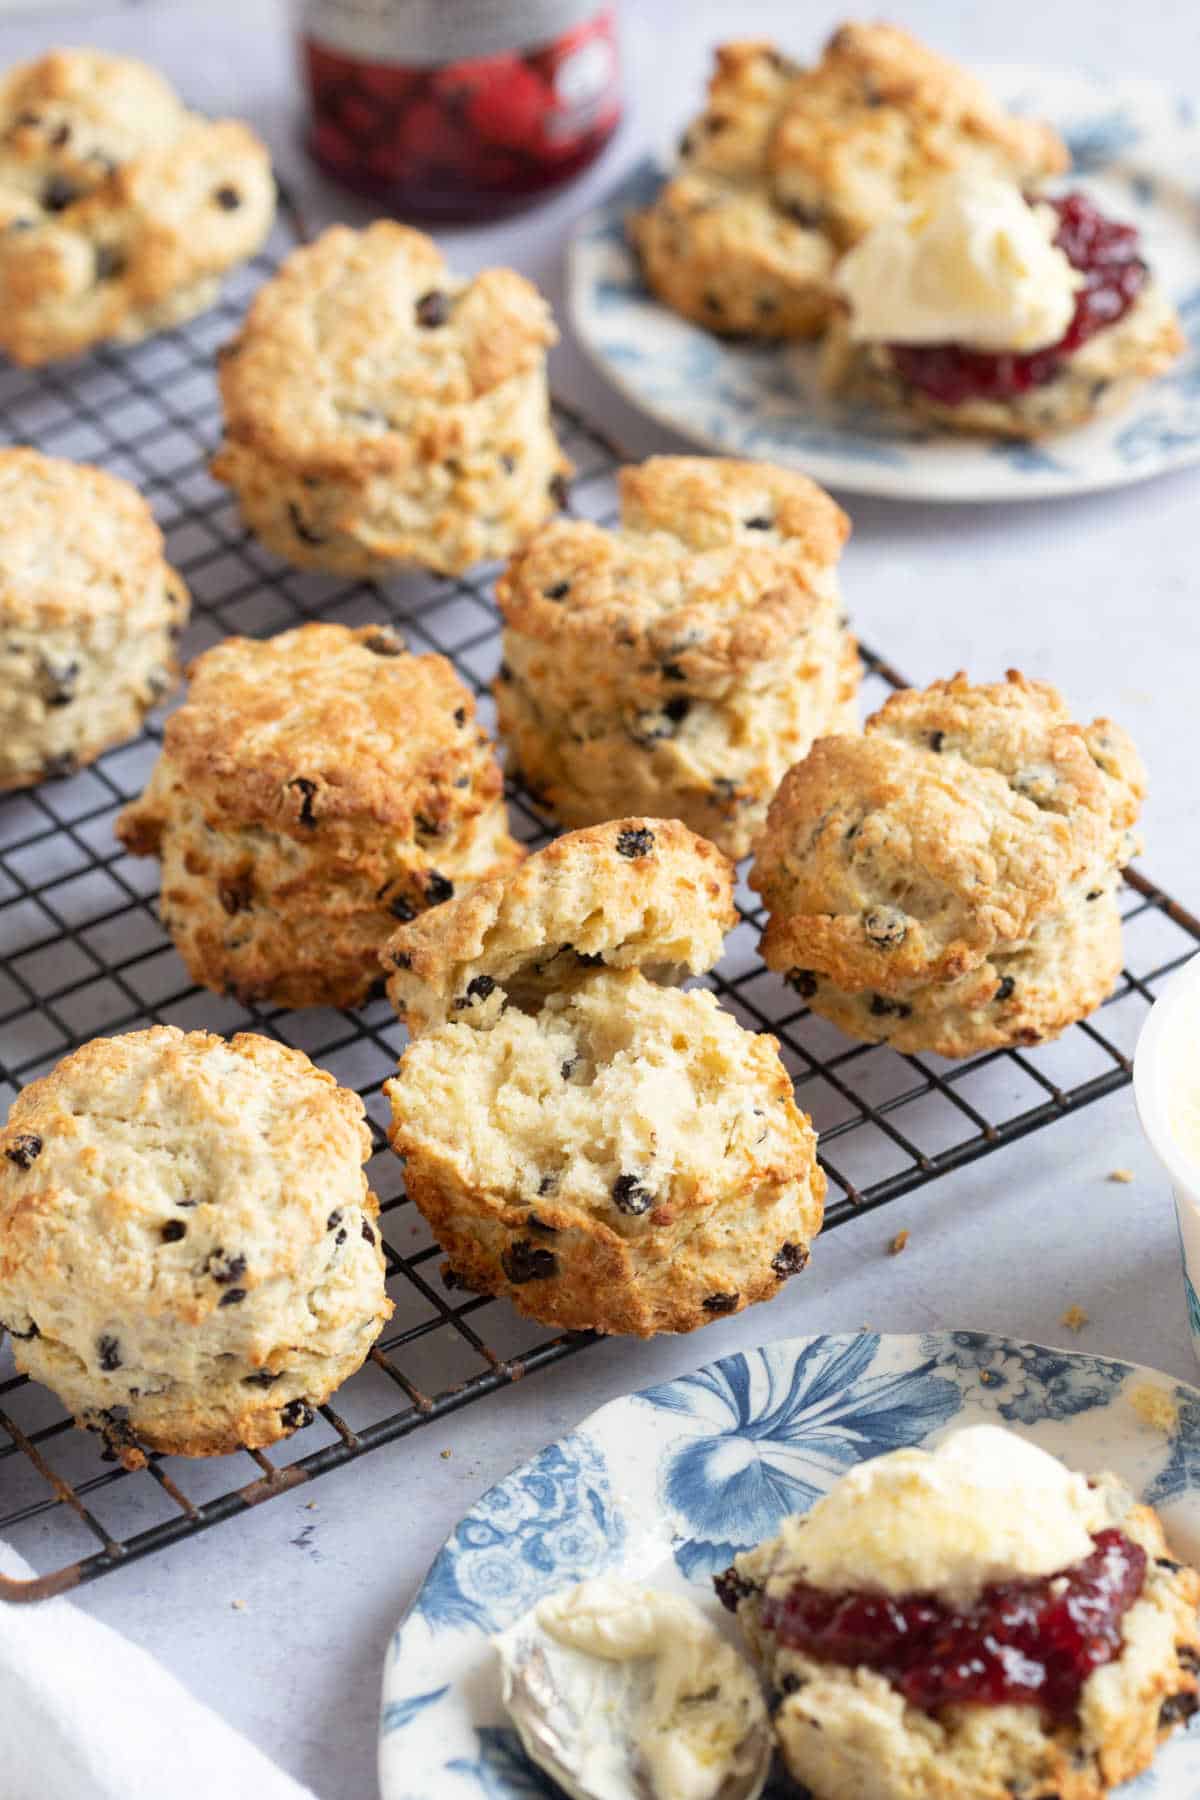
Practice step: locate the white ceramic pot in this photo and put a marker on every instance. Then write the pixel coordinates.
(1170, 1035)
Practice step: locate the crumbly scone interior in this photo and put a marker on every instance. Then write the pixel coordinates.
(617, 1087)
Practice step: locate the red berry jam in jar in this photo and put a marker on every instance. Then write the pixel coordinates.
(458, 109)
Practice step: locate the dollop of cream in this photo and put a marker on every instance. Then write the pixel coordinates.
(984, 1506)
(968, 262)
(621, 1691)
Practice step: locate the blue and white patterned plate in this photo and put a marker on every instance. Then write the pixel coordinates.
(1136, 148)
(666, 1485)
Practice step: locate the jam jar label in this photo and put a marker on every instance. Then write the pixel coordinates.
(426, 33)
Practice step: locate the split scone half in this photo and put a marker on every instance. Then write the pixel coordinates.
(679, 663)
(608, 1150)
(120, 210)
(314, 788)
(189, 1252)
(974, 1623)
(381, 411)
(947, 881)
(786, 167)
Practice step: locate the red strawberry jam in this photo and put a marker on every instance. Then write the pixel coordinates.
(1107, 254)
(459, 117)
(1023, 1643)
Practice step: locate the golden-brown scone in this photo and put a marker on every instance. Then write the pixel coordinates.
(847, 1734)
(678, 664)
(715, 245)
(880, 115)
(1099, 378)
(611, 1153)
(189, 1254)
(727, 257)
(947, 881)
(787, 166)
(89, 613)
(632, 893)
(313, 789)
(381, 411)
(120, 210)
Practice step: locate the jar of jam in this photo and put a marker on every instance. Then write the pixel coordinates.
(458, 109)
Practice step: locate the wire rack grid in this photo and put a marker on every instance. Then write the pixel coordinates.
(82, 952)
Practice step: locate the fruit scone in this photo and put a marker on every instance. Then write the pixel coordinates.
(189, 1252)
(681, 662)
(787, 167)
(313, 789)
(611, 1152)
(120, 210)
(947, 881)
(981, 307)
(89, 613)
(380, 411)
(970, 1623)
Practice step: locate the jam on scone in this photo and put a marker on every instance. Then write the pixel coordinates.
(993, 309)
(970, 1622)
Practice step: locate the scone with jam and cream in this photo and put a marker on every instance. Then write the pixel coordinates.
(981, 307)
(970, 1623)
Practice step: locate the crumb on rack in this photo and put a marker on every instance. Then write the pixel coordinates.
(1154, 1407)
(1074, 1318)
(1124, 1176)
(898, 1243)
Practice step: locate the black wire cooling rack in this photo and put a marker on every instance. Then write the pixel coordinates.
(82, 953)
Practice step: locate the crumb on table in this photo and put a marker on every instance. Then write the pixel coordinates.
(1074, 1318)
(898, 1243)
(1124, 1176)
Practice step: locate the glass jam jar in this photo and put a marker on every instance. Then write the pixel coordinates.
(458, 109)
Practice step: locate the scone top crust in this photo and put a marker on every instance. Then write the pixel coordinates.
(716, 566)
(114, 200)
(749, 87)
(961, 818)
(363, 340)
(322, 727)
(187, 1236)
(113, 108)
(79, 545)
(879, 115)
(632, 893)
(237, 1140)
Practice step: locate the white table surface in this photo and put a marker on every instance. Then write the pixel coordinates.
(1100, 595)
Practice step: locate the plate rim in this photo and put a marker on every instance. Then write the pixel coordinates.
(791, 1343)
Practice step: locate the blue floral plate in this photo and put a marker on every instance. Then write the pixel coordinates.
(1136, 148)
(666, 1485)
